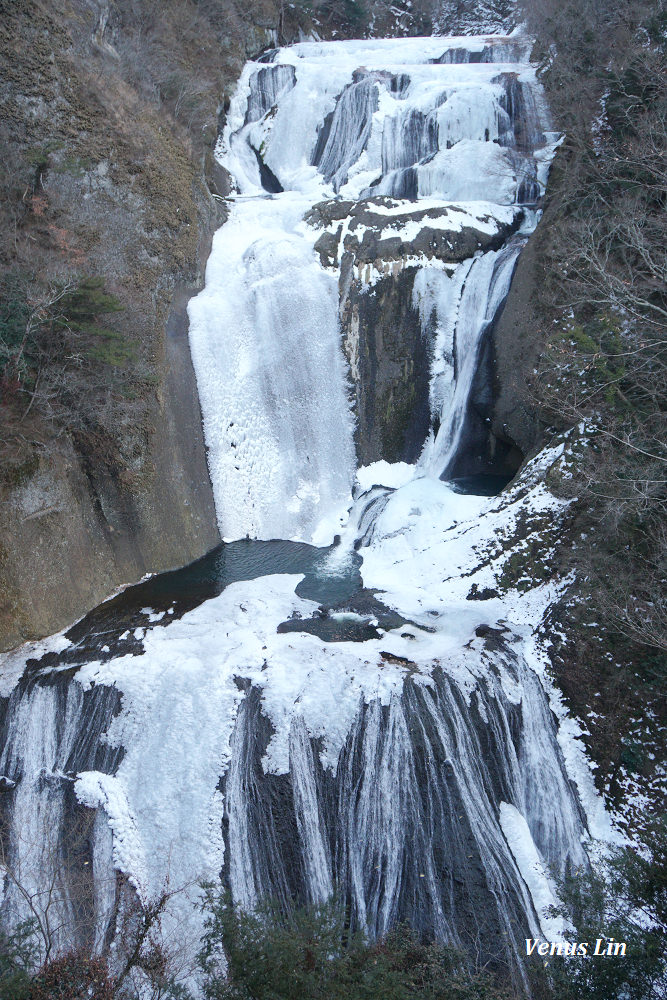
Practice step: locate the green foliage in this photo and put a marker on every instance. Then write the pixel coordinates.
(624, 898)
(77, 166)
(14, 313)
(83, 305)
(15, 472)
(79, 313)
(16, 334)
(596, 350)
(112, 349)
(55, 347)
(350, 13)
(656, 26)
(38, 156)
(28, 329)
(632, 756)
(355, 12)
(17, 955)
(311, 955)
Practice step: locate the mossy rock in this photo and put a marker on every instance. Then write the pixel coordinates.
(15, 473)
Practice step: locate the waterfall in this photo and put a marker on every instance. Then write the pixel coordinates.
(344, 138)
(405, 119)
(268, 85)
(410, 812)
(50, 733)
(414, 772)
(271, 378)
(465, 305)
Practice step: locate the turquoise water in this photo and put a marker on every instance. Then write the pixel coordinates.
(103, 632)
(335, 585)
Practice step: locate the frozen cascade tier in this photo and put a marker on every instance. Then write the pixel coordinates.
(398, 125)
(271, 378)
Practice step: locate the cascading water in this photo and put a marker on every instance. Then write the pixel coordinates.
(360, 120)
(465, 304)
(271, 378)
(421, 772)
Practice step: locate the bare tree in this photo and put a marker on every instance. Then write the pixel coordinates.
(49, 882)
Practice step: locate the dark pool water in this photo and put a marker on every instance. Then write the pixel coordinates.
(108, 630)
(481, 485)
(335, 584)
(231, 562)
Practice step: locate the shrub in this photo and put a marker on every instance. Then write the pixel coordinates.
(79, 314)
(73, 977)
(624, 899)
(17, 955)
(311, 955)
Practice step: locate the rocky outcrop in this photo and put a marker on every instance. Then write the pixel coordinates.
(110, 115)
(377, 244)
(515, 345)
(385, 233)
(76, 526)
(390, 366)
(105, 480)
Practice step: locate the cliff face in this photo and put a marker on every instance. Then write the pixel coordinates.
(390, 365)
(389, 343)
(109, 175)
(390, 356)
(108, 182)
(76, 526)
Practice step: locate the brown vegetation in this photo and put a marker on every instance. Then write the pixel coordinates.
(110, 112)
(60, 950)
(604, 322)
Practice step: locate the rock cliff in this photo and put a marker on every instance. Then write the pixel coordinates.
(110, 117)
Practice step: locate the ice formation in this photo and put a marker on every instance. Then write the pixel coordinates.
(422, 772)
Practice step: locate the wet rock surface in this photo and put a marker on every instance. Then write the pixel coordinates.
(378, 243)
(390, 364)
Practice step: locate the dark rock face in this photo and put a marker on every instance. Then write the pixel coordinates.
(267, 177)
(524, 134)
(76, 529)
(495, 52)
(486, 451)
(388, 351)
(515, 344)
(390, 363)
(113, 484)
(272, 834)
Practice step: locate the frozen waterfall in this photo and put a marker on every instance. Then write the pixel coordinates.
(355, 119)
(465, 304)
(413, 772)
(271, 378)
